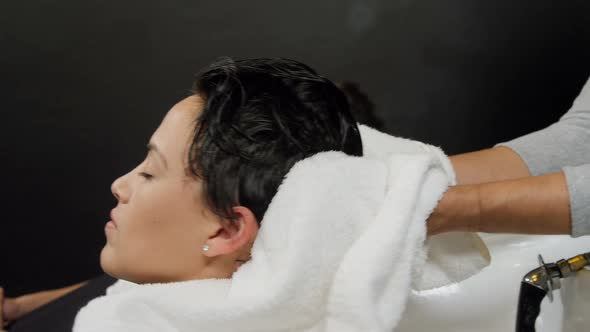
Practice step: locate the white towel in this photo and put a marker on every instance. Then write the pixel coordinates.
(338, 250)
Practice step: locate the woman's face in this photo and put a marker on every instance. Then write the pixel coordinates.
(161, 220)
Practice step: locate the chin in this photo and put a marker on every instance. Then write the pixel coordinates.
(107, 261)
(116, 268)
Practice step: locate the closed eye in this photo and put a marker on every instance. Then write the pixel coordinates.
(146, 175)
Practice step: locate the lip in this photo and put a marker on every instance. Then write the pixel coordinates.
(110, 225)
(113, 218)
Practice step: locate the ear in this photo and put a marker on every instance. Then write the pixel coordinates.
(233, 236)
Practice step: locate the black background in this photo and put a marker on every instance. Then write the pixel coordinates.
(83, 84)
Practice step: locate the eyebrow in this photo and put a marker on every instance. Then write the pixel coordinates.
(153, 147)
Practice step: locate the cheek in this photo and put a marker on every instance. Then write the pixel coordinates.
(162, 217)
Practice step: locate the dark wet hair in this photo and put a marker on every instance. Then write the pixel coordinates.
(261, 116)
(361, 106)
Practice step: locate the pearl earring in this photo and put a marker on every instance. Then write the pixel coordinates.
(205, 247)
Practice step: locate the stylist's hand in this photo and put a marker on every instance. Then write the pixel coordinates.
(1, 309)
(16, 308)
(5, 307)
(10, 310)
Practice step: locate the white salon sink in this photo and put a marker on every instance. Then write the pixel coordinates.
(575, 297)
(487, 301)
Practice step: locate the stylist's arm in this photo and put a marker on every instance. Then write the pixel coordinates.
(496, 194)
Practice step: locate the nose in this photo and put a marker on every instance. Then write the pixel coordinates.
(120, 189)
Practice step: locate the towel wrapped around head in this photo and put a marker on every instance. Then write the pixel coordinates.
(338, 250)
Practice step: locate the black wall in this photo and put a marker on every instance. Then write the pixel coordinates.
(83, 84)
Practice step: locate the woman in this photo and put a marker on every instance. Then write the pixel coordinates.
(67, 300)
(213, 166)
(211, 171)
